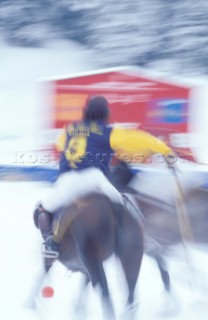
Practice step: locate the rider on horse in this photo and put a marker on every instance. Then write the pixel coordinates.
(86, 150)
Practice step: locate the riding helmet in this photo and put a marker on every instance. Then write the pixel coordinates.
(96, 108)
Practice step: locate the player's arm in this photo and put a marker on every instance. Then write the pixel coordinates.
(132, 141)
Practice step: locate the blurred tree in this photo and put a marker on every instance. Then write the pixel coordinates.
(167, 35)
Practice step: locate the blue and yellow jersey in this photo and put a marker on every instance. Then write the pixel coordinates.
(92, 144)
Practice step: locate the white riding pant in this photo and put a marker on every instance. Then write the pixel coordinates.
(75, 184)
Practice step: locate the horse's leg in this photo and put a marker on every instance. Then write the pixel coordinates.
(38, 280)
(163, 270)
(44, 222)
(153, 250)
(131, 263)
(48, 262)
(81, 302)
(130, 252)
(97, 276)
(102, 281)
(34, 289)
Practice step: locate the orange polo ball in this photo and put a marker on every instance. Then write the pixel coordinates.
(47, 292)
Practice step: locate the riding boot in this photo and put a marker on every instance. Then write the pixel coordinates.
(43, 221)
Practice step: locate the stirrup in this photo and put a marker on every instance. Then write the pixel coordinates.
(49, 253)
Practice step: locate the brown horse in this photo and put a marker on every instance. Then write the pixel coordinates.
(95, 229)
